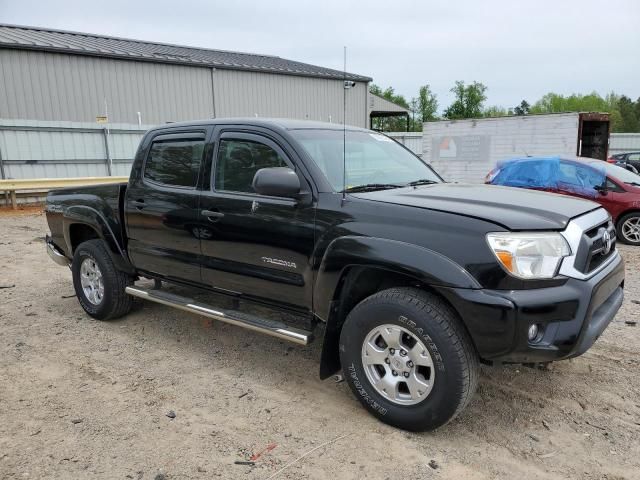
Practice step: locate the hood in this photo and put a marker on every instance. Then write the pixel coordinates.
(513, 208)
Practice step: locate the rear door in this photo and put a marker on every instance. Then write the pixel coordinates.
(255, 245)
(161, 206)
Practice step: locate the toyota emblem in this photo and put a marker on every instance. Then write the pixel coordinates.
(606, 240)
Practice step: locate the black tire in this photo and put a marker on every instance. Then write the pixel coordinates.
(115, 302)
(454, 357)
(619, 232)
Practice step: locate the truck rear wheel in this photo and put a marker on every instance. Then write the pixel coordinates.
(98, 284)
(408, 359)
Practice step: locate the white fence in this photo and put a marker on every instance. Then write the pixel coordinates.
(618, 142)
(40, 149)
(411, 140)
(624, 142)
(44, 149)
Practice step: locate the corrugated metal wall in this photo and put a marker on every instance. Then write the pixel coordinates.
(52, 86)
(55, 86)
(39, 149)
(624, 142)
(247, 94)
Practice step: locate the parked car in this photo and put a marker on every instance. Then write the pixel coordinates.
(410, 282)
(613, 187)
(630, 161)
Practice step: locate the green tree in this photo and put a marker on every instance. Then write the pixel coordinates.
(629, 121)
(390, 124)
(496, 111)
(592, 102)
(624, 113)
(522, 109)
(427, 104)
(469, 100)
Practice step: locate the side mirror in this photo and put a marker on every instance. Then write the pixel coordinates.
(601, 189)
(277, 182)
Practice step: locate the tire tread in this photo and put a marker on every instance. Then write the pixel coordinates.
(448, 320)
(121, 302)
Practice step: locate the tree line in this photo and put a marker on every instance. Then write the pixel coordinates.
(470, 99)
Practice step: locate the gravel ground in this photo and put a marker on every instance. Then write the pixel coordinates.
(81, 398)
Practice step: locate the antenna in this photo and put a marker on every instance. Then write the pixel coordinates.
(344, 126)
(347, 84)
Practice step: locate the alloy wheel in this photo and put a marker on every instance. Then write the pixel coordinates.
(398, 364)
(631, 229)
(91, 281)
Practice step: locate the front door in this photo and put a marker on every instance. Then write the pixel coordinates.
(579, 180)
(255, 245)
(161, 207)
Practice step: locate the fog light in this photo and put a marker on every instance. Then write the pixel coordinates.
(533, 332)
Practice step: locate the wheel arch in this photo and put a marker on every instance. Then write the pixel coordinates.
(82, 223)
(354, 268)
(625, 213)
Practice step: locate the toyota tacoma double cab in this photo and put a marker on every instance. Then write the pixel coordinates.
(408, 281)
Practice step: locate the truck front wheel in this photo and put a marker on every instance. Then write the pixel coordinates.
(408, 359)
(99, 286)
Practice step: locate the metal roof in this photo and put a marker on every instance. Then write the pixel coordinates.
(46, 39)
(381, 105)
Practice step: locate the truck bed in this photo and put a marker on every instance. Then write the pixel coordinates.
(102, 202)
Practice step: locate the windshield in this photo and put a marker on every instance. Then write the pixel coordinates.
(619, 173)
(371, 159)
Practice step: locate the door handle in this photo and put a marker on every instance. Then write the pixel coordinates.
(212, 215)
(139, 204)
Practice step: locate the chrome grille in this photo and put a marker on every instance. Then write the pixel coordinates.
(587, 239)
(596, 246)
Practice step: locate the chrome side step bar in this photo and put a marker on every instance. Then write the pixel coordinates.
(234, 317)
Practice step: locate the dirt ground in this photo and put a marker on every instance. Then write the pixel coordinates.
(86, 399)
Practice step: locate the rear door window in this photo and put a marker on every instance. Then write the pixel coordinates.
(174, 162)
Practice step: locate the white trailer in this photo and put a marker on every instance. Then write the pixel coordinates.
(466, 150)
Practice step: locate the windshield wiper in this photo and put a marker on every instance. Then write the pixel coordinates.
(635, 184)
(422, 181)
(370, 187)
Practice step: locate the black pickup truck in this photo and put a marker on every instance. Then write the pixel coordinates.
(409, 282)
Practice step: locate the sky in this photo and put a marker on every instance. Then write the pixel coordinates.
(518, 49)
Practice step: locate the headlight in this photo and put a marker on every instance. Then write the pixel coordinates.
(529, 255)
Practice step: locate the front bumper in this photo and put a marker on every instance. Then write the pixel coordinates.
(572, 316)
(55, 253)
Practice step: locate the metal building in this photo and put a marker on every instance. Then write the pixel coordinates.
(380, 107)
(68, 76)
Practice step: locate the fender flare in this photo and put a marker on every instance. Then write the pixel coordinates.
(424, 265)
(89, 216)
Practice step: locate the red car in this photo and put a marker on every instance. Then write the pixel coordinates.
(613, 187)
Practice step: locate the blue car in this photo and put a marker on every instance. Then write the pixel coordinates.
(613, 187)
